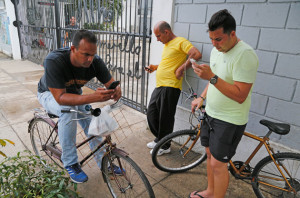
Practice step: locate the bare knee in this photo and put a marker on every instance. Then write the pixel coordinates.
(218, 167)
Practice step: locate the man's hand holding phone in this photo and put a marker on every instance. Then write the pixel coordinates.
(203, 71)
(114, 86)
(151, 68)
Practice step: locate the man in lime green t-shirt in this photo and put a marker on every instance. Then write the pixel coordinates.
(163, 102)
(231, 74)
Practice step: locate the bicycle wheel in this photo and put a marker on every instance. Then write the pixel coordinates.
(39, 133)
(267, 181)
(175, 161)
(133, 184)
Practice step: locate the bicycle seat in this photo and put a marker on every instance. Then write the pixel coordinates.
(52, 115)
(279, 128)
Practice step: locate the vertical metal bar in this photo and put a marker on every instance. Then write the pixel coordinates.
(121, 53)
(138, 56)
(18, 25)
(125, 23)
(148, 58)
(144, 56)
(129, 58)
(86, 11)
(57, 22)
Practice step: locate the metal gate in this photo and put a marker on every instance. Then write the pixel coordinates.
(123, 29)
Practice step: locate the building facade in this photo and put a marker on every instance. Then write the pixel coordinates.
(272, 28)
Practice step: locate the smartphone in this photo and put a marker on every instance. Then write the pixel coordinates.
(193, 61)
(114, 84)
(148, 69)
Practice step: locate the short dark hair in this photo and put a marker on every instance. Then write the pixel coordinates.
(84, 34)
(222, 19)
(164, 26)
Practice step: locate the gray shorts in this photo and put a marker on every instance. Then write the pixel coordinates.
(223, 139)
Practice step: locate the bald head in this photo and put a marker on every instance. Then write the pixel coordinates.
(163, 32)
(162, 26)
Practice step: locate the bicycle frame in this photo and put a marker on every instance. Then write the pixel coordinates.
(239, 172)
(43, 129)
(263, 141)
(57, 153)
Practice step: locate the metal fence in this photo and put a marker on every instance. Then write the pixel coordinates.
(123, 29)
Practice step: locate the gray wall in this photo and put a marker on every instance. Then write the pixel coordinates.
(272, 28)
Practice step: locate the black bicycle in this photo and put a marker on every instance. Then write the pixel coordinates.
(186, 149)
(43, 129)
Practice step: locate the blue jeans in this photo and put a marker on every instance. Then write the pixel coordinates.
(67, 129)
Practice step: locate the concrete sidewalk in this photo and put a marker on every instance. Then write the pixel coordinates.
(18, 87)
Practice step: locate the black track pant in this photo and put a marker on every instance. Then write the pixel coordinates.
(161, 111)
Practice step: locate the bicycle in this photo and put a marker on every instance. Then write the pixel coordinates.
(43, 129)
(277, 175)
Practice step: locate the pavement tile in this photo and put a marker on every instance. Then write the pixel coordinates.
(19, 110)
(31, 86)
(3, 121)
(10, 150)
(162, 192)
(28, 76)
(95, 186)
(17, 66)
(21, 130)
(6, 79)
(14, 92)
(184, 183)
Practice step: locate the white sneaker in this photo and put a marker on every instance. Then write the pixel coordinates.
(151, 145)
(161, 151)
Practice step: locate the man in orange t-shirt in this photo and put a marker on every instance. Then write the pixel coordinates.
(163, 102)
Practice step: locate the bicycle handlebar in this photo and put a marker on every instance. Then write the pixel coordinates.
(95, 112)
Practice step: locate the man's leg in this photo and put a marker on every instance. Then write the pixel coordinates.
(152, 112)
(66, 127)
(220, 176)
(95, 141)
(168, 100)
(209, 192)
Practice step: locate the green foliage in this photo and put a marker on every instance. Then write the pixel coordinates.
(3, 143)
(25, 176)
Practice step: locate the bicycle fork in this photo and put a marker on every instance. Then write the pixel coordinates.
(123, 153)
(190, 148)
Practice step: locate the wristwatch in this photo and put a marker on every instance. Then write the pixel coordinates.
(214, 80)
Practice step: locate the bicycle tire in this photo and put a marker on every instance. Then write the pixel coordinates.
(174, 162)
(266, 171)
(39, 133)
(135, 184)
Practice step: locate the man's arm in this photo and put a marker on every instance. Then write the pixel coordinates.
(193, 53)
(100, 95)
(238, 91)
(197, 103)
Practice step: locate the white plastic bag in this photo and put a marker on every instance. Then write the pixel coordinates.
(103, 124)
